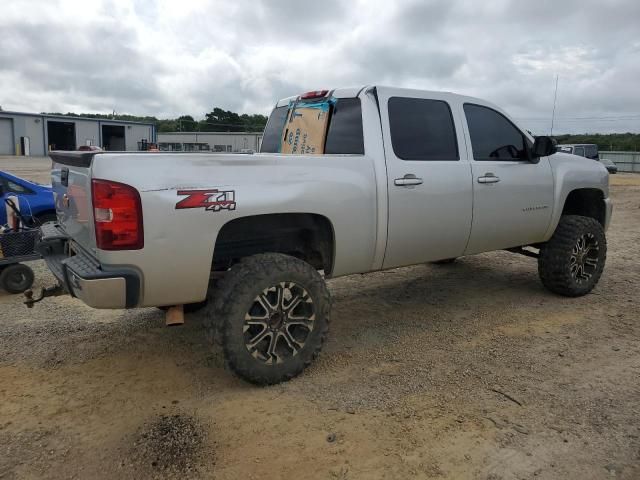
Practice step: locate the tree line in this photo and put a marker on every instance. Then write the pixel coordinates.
(217, 120)
(625, 142)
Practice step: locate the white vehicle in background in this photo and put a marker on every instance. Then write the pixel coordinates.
(590, 151)
(609, 165)
(587, 150)
(378, 178)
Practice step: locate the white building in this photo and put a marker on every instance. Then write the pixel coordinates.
(210, 141)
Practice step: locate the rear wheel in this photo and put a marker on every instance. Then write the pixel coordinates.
(270, 312)
(16, 278)
(572, 261)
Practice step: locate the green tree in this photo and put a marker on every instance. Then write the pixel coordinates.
(218, 120)
(611, 141)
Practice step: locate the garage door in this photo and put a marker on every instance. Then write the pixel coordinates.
(6, 137)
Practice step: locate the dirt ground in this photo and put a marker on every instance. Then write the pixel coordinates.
(462, 371)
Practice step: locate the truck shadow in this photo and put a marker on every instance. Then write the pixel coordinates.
(471, 280)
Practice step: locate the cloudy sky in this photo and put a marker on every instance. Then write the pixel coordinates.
(167, 57)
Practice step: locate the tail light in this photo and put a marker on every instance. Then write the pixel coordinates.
(314, 94)
(117, 213)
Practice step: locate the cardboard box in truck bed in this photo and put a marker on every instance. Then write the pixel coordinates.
(305, 130)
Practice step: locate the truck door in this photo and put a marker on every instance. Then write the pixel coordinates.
(512, 193)
(428, 177)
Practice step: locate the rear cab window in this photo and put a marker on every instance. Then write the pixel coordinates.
(340, 133)
(271, 137)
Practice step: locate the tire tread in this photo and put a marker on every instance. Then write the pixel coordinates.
(554, 255)
(240, 280)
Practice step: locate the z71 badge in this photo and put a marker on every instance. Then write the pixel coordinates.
(211, 199)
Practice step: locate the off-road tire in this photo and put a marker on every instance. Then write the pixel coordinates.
(16, 278)
(555, 259)
(236, 293)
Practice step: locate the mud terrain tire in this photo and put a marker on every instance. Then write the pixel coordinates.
(572, 261)
(270, 313)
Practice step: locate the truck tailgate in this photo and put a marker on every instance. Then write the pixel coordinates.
(71, 182)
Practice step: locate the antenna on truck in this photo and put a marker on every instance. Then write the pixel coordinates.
(553, 115)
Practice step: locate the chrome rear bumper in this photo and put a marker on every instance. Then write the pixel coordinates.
(83, 277)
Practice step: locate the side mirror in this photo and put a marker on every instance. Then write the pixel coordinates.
(544, 146)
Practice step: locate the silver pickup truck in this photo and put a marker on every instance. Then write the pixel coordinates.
(395, 177)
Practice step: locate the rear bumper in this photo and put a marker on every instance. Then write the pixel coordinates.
(83, 277)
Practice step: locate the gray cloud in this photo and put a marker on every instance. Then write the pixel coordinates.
(391, 61)
(163, 58)
(94, 63)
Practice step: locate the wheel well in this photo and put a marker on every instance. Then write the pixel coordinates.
(303, 235)
(588, 202)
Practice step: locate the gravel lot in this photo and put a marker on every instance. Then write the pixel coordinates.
(463, 371)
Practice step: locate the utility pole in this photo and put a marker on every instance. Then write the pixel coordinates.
(555, 97)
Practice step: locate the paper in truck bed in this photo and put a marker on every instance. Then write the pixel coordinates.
(305, 129)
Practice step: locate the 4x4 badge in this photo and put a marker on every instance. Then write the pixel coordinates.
(210, 199)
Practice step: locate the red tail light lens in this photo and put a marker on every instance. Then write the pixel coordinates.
(314, 94)
(117, 213)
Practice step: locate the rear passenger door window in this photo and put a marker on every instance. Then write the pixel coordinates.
(493, 136)
(422, 129)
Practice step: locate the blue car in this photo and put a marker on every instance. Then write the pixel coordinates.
(36, 201)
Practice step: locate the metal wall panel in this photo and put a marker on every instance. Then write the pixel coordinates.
(137, 133)
(6, 137)
(625, 161)
(31, 127)
(237, 141)
(87, 131)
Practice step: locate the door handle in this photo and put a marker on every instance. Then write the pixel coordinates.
(408, 180)
(488, 178)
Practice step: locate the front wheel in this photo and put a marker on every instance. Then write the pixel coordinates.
(572, 261)
(270, 312)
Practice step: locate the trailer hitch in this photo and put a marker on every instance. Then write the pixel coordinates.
(54, 291)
